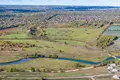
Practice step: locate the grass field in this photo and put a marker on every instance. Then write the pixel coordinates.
(50, 48)
(8, 58)
(89, 72)
(14, 33)
(64, 42)
(71, 42)
(14, 36)
(75, 34)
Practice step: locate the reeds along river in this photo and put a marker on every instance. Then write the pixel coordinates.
(68, 59)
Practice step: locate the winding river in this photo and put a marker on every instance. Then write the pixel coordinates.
(68, 59)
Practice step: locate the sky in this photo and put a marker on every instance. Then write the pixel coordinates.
(62, 2)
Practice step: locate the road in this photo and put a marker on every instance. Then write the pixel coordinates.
(81, 77)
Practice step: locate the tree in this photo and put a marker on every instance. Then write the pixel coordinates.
(32, 69)
(78, 65)
(53, 56)
(105, 41)
(10, 70)
(36, 32)
(38, 70)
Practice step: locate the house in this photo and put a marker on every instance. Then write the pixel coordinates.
(112, 68)
(114, 71)
(116, 76)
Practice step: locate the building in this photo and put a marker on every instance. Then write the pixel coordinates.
(116, 76)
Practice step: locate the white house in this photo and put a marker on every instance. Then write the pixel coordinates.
(116, 76)
(112, 68)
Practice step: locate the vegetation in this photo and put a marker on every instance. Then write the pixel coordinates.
(53, 56)
(14, 70)
(105, 41)
(72, 42)
(10, 70)
(35, 56)
(78, 65)
(73, 34)
(36, 32)
(55, 34)
(32, 69)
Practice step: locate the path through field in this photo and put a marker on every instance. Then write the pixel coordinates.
(34, 76)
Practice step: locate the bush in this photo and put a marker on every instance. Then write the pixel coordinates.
(61, 70)
(32, 69)
(103, 64)
(65, 43)
(61, 51)
(41, 79)
(38, 70)
(10, 70)
(36, 55)
(15, 70)
(78, 65)
(105, 41)
(44, 70)
(53, 56)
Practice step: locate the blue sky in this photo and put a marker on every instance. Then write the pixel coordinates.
(62, 2)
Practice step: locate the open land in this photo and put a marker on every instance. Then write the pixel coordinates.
(80, 35)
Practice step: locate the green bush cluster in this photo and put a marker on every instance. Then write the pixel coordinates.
(14, 70)
(39, 70)
(35, 70)
(53, 56)
(105, 41)
(36, 55)
(78, 65)
(37, 32)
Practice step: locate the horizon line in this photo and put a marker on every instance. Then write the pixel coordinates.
(55, 5)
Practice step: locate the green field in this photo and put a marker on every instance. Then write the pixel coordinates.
(52, 48)
(52, 42)
(72, 42)
(14, 36)
(63, 42)
(75, 34)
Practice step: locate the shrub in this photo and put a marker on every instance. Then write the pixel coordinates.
(41, 79)
(10, 70)
(105, 41)
(103, 64)
(37, 32)
(78, 65)
(38, 70)
(61, 70)
(61, 51)
(65, 43)
(53, 56)
(44, 70)
(32, 69)
(34, 56)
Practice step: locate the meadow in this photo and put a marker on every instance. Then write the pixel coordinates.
(77, 43)
(64, 34)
